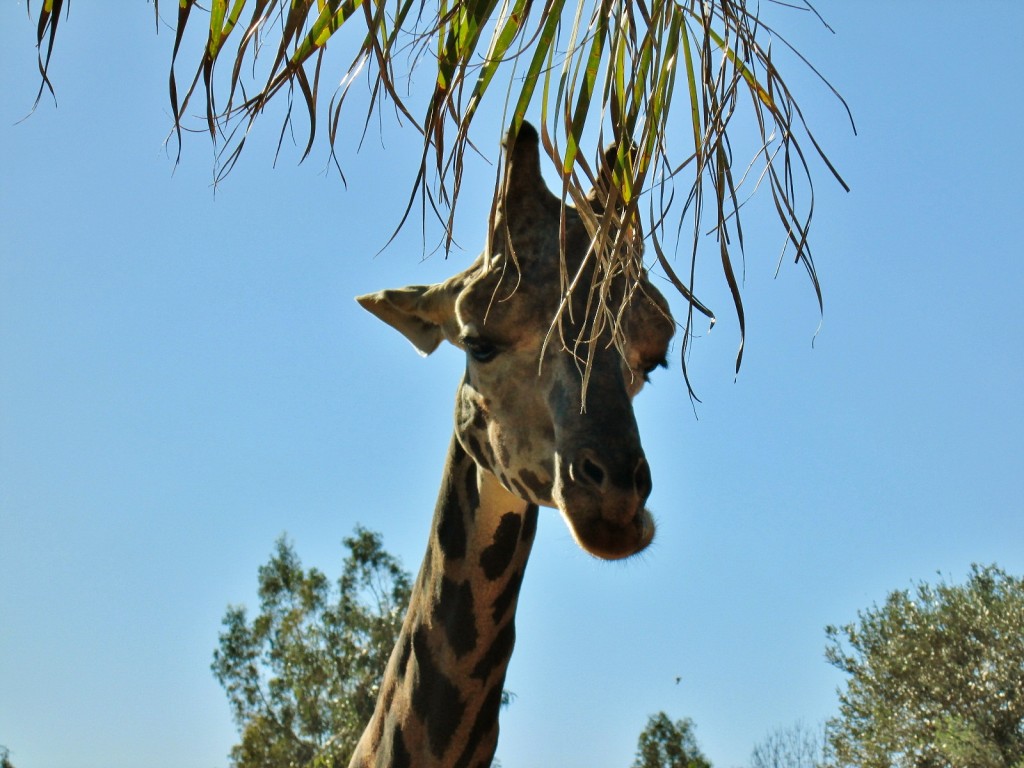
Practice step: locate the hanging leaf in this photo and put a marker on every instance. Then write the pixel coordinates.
(606, 69)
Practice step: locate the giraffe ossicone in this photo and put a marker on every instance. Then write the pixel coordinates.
(522, 439)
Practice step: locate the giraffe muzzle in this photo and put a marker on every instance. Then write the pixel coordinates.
(604, 504)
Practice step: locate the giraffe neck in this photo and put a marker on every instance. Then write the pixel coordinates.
(441, 692)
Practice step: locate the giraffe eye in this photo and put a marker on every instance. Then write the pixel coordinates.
(648, 369)
(480, 350)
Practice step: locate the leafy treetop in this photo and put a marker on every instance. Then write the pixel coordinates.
(667, 744)
(302, 676)
(936, 677)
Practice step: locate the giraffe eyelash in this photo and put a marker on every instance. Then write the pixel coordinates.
(648, 369)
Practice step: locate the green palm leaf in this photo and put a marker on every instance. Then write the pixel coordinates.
(606, 68)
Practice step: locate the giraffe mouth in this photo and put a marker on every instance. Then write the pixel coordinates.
(608, 539)
(608, 519)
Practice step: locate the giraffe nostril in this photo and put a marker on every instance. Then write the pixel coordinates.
(642, 479)
(592, 471)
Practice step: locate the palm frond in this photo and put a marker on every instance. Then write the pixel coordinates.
(600, 72)
(46, 34)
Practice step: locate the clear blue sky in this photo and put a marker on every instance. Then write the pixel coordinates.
(185, 376)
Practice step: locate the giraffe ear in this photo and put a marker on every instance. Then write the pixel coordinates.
(419, 312)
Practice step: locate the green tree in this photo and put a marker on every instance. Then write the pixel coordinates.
(597, 72)
(5, 758)
(302, 677)
(664, 744)
(936, 677)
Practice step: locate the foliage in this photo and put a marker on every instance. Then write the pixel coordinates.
(5, 758)
(302, 677)
(795, 747)
(936, 677)
(598, 70)
(664, 744)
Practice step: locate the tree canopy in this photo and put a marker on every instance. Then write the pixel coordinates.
(936, 677)
(303, 675)
(599, 73)
(667, 744)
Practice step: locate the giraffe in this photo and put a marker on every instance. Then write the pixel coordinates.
(522, 439)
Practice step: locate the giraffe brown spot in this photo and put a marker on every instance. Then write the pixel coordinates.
(504, 455)
(472, 428)
(500, 650)
(484, 726)
(387, 696)
(507, 596)
(479, 420)
(451, 532)
(472, 490)
(529, 525)
(496, 558)
(531, 481)
(454, 611)
(435, 698)
(404, 652)
(451, 526)
(400, 757)
(474, 448)
(520, 489)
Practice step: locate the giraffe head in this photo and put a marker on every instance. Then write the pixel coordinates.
(520, 411)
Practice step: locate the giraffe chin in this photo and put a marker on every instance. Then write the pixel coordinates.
(603, 503)
(609, 539)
